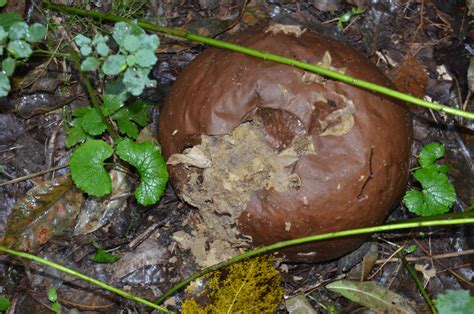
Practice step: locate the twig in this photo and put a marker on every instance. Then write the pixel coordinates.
(34, 175)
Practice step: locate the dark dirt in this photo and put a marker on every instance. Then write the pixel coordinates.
(433, 36)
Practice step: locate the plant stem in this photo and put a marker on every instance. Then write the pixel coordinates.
(94, 100)
(267, 56)
(51, 53)
(418, 283)
(36, 174)
(468, 218)
(84, 277)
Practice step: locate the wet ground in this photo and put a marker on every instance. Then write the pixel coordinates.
(424, 46)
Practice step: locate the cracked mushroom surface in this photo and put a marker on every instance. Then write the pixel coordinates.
(268, 152)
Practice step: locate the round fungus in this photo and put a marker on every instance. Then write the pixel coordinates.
(268, 152)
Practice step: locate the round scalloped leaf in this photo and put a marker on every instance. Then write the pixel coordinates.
(87, 167)
(151, 42)
(147, 159)
(99, 38)
(92, 123)
(131, 43)
(82, 40)
(120, 31)
(8, 66)
(131, 60)
(36, 33)
(134, 81)
(86, 50)
(90, 64)
(102, 49)
(19, 30)
(19, 49)
(7, 19)
(430, 153)
(145, 58)
(4, 84)
(114, 64)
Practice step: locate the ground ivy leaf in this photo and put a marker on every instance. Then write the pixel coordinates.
(145, 57)
(75, 135)
(151, 167)
(82, 40)
(90, 64)
(7, 19)
(36, 33)
(454, 302)
(138, 112)
(87, 167)
(131, 43)
(151, 42)
(19, 49)
(101, 256)
(19, 30)
(8, 66)
(52, 295)
(92, 123)
(114, 64)
(86, 50)
(437, 197)
(102, 49)
(430, 153)
(4, 84)
(120, 31)
(99, 38)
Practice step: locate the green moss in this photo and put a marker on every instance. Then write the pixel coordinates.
(251, 286)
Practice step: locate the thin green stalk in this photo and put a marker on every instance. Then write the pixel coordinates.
(388, 227)
(41, 52)
(84, 277)
(94, 100)
(418, 283)
(268, 56)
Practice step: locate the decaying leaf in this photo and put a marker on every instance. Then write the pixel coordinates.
(194, 157)
(47, 210)
(97, 212)
(285, 29)
(339, 122)
(299, 305)
(371, 295)
(427, 272)
(411, 77)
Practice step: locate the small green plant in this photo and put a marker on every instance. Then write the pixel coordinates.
(346, 17)
(16, 38)
(104, 257)
(455, 302)
(4, 303)
(53, 298)
(129, 67)
(437, 195)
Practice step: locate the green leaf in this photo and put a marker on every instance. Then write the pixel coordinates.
(19, 49)
(138, 112)
(127, 127)
(87, 167)
(92, 123)
(430, 153)
(151, 167)
(131, 43)
(7, 19)
(101, 256)
(85, 50)
(75, 135)
(2, 4)
(410, 249)
(82, 40)
(437, 197)
(149, 42)
(114, 64)
(90, 64)
(56, 307)
(19, 30)
(455, 302)
(4, 84)
(114, 97)
(8, 66)
(4, 303)
(102, 49)
(120, 31)
(371, 295)
(52, 295)
(3, 34)
(36, 33)
(137, 79)
(131, 60)
(99, 38)
(145, 58)
(81, 111)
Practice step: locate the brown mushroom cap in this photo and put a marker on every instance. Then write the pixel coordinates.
(361, 140)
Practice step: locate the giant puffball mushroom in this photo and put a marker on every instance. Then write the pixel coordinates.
(268, 152)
